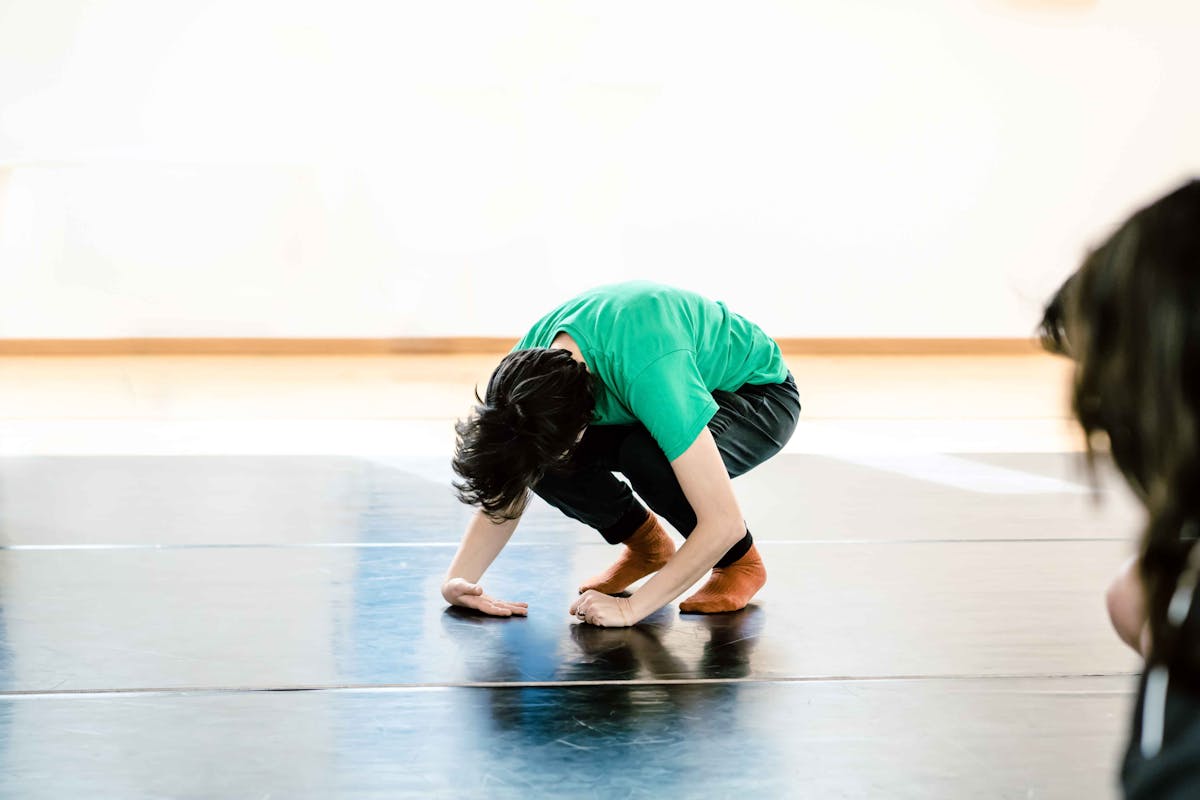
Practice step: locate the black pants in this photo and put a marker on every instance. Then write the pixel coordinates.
(751, 425)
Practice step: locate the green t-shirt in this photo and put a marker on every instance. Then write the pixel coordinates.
(659, 353)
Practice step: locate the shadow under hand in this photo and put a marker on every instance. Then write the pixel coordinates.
(660, 647)
(473, 617)
(731, 640)
(623, 654)
(493, 649)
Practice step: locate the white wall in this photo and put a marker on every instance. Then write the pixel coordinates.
(855, 168)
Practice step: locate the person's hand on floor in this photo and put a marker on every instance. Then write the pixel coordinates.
(604, 610)
(459, 592)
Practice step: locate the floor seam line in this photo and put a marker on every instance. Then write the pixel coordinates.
(414, 545)
(349, 687)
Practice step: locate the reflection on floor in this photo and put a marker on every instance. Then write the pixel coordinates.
(922, 635)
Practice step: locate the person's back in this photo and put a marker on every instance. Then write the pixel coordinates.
(658, 353)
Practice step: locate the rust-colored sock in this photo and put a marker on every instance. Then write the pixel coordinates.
(730, 588)
(646, 551)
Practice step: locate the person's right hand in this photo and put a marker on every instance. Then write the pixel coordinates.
(459, 592)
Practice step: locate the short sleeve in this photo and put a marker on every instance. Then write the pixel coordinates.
(669, 397)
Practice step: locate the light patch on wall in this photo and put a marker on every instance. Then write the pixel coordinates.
(5, 174)
(1051, 5)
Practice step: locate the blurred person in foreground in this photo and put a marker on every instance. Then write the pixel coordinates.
(1130, 319)
(672, 390)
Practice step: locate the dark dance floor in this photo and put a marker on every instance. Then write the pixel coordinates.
(256, 627)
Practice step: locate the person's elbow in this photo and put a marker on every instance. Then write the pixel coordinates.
(736, 531)
(727, 529)
(1126, 605)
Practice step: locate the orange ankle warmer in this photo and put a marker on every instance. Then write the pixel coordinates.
(646, 551)
(729, 588)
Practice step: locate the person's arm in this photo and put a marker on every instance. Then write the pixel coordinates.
(719, 526)
(482, 542)
(1126, 599)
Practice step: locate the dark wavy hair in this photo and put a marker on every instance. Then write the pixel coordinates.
(537, 403)
(1130, 319)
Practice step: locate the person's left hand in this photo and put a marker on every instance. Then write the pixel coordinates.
(597, 608)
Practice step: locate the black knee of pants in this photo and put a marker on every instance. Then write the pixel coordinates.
(594, 496)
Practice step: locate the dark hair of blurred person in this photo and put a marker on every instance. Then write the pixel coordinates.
(1130, 320)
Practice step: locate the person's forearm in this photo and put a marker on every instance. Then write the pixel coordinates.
(702, 549)
(481, 543)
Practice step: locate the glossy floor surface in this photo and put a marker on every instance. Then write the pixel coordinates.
(181, 621)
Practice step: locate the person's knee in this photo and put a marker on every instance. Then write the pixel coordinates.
(548, 486)
(1126, 605)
